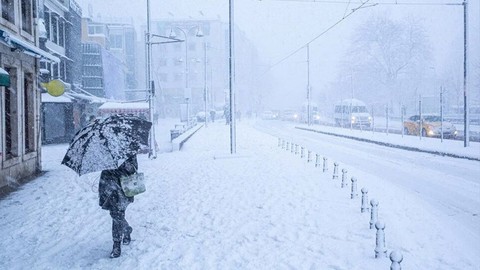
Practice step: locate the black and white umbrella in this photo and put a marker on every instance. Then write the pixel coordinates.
(106, 144)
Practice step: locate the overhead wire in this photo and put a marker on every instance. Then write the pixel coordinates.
(318, 36)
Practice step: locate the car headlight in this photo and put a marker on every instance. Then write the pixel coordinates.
(317, 117)
(456, 132)
(431, 132)
(295, 116)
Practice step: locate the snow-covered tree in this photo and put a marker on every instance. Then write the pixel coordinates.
(387, 60)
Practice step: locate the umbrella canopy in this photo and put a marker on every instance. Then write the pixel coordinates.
(106, 144)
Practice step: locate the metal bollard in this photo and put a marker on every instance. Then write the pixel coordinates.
(309, 156)
(335, 170)
(373, 213)
(317, 160)
(292, 148)
(302, 152)
(296, 149)
(365, 207)
(396, 257)
(325, 164)
(288, 146)
(279, 142)
(380, 249)
(354, 193)
(344, 178)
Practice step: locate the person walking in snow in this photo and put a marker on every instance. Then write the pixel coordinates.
(113, 199)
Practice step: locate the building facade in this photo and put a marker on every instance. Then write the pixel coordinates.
(62, 117)
(109, 55)
(200, 62)
(20, 58)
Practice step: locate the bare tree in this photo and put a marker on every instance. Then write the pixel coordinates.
(387, 59)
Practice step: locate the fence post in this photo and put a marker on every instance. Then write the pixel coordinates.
(364, 207)
(309, 156)
(302, 152)
(292, 148)
(325, 164)
(374, 213)
(317, 160)
(288, 146)
(335, 170)
(344, 178)
(380, 249)
(279, 142)
(396, 257)
(354, 193)
(296, 149)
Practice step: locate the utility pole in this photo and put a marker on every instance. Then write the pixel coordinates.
(308, 86)
(205, 80)
(233, 147)
(466, 120)
(150, 90)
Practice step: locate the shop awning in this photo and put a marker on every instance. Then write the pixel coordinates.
(4, 78)
(28, 48)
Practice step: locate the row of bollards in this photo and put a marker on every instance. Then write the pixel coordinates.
(396, 257)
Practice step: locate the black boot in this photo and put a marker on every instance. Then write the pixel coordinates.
(126, 237)
(116, 250)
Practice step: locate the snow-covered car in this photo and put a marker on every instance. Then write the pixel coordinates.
(200, 116)
(431, 126)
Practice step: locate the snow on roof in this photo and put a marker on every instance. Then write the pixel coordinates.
(124, 105)
(352, 101)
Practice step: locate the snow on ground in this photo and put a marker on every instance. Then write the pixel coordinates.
(430, 144)
(263, 208)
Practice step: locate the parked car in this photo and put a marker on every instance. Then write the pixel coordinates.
(291, 115)
(431, 126)
(200, 116)
(269, 115)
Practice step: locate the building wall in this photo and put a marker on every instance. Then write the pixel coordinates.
(23, 161)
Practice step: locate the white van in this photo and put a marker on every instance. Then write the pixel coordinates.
(352, 112)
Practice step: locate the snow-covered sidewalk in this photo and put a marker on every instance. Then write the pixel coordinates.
(263, 208)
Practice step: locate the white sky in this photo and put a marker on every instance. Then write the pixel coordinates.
(279, 27)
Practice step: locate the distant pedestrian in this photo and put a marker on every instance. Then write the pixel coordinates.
(212, 116)
(113, 199)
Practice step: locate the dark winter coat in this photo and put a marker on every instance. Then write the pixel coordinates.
(111, 196)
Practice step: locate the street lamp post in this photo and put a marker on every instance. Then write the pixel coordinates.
(187, 92)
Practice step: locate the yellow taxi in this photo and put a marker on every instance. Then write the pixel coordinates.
(431, 126)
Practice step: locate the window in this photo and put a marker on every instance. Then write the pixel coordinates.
(61, 33)
(116, 41)
(29, 112)
(8, 10)
(54, 35)
(11, 116)
(55, 71)
(95, 29)
(46, 16)
(27, 16)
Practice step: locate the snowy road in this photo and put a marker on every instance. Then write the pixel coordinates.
(448, 185)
